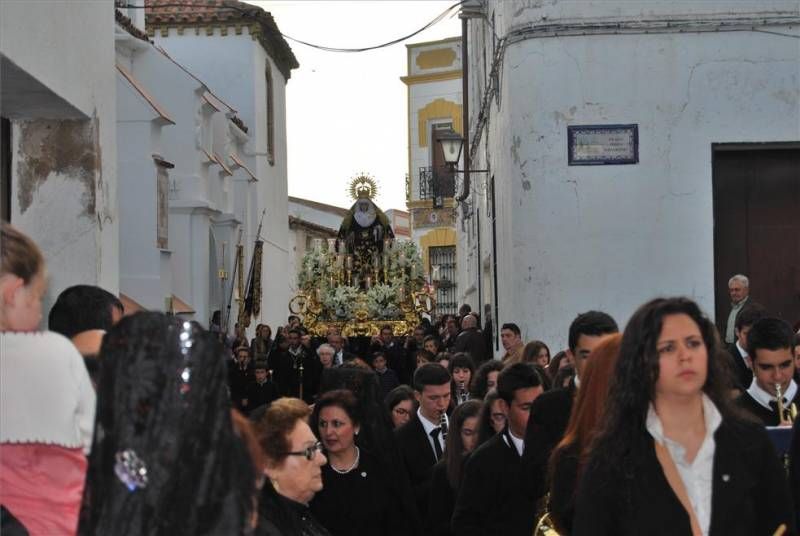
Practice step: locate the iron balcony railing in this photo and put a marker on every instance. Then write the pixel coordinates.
(436, 184)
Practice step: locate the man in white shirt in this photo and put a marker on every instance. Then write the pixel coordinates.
(739, 290)
(771, 349)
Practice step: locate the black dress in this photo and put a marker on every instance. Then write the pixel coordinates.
(358, 503)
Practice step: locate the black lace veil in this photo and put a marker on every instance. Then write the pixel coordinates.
(162, 405)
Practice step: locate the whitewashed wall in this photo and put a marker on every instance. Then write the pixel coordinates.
(575, 238)
(70, 204)
(233, 66)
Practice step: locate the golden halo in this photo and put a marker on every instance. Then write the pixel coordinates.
(363, 186)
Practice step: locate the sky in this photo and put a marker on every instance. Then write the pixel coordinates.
(347, 112)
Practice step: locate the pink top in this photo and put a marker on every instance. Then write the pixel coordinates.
(42, 486)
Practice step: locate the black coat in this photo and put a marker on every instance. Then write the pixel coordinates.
(750, 496)
(260, 394)
(495, 497)
(546, 426)
(472, 342)
(418, 459)
(359, 503)
(238, 380)
(767, 416)
(742, 375)
(279, 516)
(286, 373)
(562, 491)
(442, 502)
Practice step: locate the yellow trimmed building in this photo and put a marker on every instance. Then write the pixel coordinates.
(434, 108)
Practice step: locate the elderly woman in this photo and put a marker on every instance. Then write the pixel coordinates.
(293, 460)
(356, 498)
(326, 352)
(47, 403)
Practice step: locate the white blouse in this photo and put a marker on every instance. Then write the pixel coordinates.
(697, 476)
(46, 395)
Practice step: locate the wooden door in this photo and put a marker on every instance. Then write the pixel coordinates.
(757, 226)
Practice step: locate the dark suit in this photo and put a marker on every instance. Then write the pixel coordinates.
(768, 417)
(742, 375)
(286, 370)
(750, 495)
(418, 458)
(260, 394)
(495, 497)
(548, 422)
(472, 342)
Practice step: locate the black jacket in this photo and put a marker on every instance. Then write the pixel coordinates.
(562, 491)
(260, 394)
(286, 373)
(546, 426)
(279, 516)
(495, 497)
(473, 342)
(418, 458)
(750, 496)
(442, 502)
(742, 375)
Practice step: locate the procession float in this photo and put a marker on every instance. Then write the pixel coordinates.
(364, 278)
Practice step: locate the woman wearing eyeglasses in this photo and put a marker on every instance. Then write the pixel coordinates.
(401, 405)
(356, 498)
(293, 467)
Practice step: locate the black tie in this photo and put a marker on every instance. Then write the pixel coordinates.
(436, 446)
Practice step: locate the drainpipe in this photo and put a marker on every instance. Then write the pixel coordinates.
(465, 105)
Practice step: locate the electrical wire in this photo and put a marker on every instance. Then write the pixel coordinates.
(250, 12)
(432, 23)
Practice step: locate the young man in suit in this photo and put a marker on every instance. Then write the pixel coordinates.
(770, 345)
(742, 367)
(550, 413)
(496, 497)
(421, 440)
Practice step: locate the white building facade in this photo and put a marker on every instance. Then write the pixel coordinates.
(237, 51)
(57, 102)
(434, 108)
(569, 218)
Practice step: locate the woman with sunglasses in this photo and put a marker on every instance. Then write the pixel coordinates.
(294, 460)
(356, 499)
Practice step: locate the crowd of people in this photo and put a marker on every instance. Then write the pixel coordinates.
(148, 424)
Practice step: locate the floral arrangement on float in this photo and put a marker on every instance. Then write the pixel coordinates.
(365, 277)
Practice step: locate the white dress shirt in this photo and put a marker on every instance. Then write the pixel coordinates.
(429, 427)
(764, 398)
(697, 476)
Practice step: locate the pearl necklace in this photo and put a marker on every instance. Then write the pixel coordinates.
(345, 471)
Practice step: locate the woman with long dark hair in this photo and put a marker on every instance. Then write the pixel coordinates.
(462, 438)
(672, 455)
(166, 459)
(569, 456)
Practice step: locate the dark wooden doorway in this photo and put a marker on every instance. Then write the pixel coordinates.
(757, 225)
